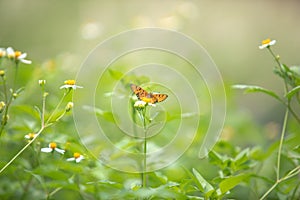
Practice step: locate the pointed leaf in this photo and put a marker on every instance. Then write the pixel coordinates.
(205, 186)
(231, 182)
(117, 75)
(292, 92)
(253, 88)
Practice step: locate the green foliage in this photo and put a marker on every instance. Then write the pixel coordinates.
(230, 171)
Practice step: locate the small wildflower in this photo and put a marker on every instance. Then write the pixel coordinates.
(70, 84)
(30, 136)
(2, 52)
(15, 95)
(140, 104)
(77, 157)
(45, 94)
(2, 106)
(18, 56)
(2, 72)
(69, 106)
(267, 43)
(42, 82)
(52, 147)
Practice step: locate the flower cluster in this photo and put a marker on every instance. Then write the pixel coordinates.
(77, 157)
(16, 56)
(142, 104)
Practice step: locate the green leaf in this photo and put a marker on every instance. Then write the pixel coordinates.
(202, 184)
(242, 156)
(231, 182)
(292, 92)
(215, 158)
(117, 75)
(253, 88)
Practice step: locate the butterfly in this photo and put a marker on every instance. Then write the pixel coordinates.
(143, 95)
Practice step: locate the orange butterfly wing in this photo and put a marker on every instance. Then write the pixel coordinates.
(147, 97)
(159, 97)
(138, 91)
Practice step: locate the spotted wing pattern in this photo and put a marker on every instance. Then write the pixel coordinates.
(159, 97)
(143, 95)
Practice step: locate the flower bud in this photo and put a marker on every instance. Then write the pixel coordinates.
(2, 106)
(42, 82)
(69, 106)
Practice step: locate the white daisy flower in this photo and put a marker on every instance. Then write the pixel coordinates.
(52, 147)
(77, 157)
(140, 104)
(70, 84)
(267, 43)
(18, 56)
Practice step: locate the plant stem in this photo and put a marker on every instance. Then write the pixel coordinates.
(292, 173)
(280, 67)
(21, 151)
(43, 126)
(6, 106)
(281, 143)
(145, 154)
(60, 102)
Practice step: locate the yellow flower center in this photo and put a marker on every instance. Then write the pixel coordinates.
(70, 82)
(31, 135)
(266, 41)
(52, 145)
(17, 54)
(76, 155)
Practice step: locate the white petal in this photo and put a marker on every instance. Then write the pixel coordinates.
(59, 150)
(22, 56)
(46, 150)
(79, 159)
(263, 46)
(152, 104)
(25, 61)
(64, 86)
(10, 51)
(70, 159)
(272, 42)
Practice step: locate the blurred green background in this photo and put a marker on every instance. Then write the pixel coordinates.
(230, 31)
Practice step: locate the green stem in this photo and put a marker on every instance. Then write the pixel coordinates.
(3, 123)
(8, 101)
(281, 143)
(54, 111)
(292, 173)
(145, 153)
(280, 67)
(15, 77)
(142, 114)
(43, 107)
(23, 149)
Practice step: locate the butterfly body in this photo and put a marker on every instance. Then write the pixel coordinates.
(148, 97)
